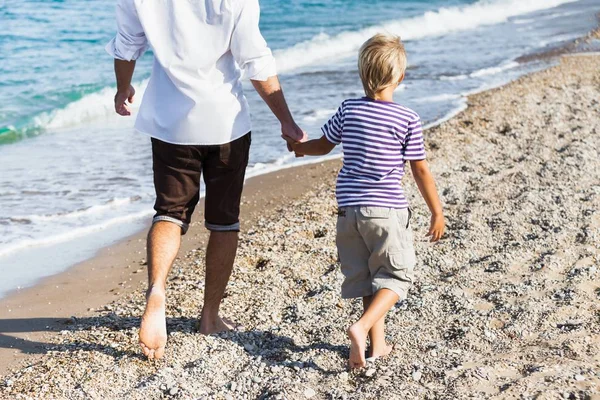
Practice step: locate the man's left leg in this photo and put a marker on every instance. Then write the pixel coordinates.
(220, 255)
(224, 170)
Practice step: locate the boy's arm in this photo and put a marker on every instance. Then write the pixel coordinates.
(315, 147)
(426, 185)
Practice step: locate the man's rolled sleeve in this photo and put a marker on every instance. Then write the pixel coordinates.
(130, 43)
(248, 46)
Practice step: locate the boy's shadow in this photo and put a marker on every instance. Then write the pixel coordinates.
(274, 349)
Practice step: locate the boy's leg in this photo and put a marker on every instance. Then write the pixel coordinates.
(382, 302)
(379, 347)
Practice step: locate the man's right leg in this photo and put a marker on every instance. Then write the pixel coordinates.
(164, 240)
(177, 184)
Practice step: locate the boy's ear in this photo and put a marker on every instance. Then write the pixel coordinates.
(401, 78)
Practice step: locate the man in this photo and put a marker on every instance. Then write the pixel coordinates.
(198, 119)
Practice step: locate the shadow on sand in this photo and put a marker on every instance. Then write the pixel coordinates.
(272, 348)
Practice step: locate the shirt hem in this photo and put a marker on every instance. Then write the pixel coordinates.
(162, 139)
(372, 205)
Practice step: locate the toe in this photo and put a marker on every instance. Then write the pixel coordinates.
(145, 350)
(158, 353)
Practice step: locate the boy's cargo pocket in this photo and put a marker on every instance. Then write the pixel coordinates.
(375, 212)
(403, 261)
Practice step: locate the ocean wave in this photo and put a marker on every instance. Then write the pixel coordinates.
(494, 70)
(438, 98)
(91, 107)
(73, 233)
(481, 72)
(324, 48)
(88, 211)
(321, 49)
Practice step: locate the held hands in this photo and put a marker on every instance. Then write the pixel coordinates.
(121, 99)
(292, 134)
(436, 228)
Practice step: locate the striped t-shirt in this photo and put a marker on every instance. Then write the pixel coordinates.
(377, 138)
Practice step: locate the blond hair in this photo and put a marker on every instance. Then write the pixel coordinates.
(381, 63)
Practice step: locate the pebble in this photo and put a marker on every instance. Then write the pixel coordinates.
(579, 377)
(370, 372)
(173, 391)
(309, 393)
(416, 375)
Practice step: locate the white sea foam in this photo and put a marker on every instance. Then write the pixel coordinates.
(325, 49)
(494, 70)
(74, 233)
(438, 98)
(113, 204)
(481, 72)
(318, 115)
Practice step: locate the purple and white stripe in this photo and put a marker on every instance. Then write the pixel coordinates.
(377, 138)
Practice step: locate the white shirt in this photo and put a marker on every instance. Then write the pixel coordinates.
(194, 95)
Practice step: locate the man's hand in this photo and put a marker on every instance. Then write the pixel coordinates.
(121, 99)
(294, 134)
(437, 227)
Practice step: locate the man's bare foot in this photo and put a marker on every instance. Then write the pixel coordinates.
(208, 326)
(358, 342)
(376, 352)
(153, 330)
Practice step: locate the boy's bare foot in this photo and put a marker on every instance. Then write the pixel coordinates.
(375, 352)
(153, 329)
(208, 326)
(358, 342)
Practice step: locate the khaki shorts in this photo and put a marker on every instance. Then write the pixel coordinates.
(375, 246)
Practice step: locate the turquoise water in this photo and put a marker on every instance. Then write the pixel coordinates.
(74, 176)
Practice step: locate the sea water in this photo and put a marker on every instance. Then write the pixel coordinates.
(75, 177)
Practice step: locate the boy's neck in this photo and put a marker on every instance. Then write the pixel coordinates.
(386, 94)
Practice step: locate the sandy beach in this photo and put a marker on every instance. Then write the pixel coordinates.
(506, 306)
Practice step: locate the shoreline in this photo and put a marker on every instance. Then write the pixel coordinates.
(506, 305)
(577, 46)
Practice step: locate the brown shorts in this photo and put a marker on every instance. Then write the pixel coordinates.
(177, 169)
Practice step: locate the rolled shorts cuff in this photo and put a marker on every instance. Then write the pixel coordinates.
(183, 225)
(222, 228)
(353, 294)
(399, 287)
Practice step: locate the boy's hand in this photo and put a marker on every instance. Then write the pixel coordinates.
(292, 145)
(437, 227)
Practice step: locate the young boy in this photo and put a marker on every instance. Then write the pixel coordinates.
(374, 237)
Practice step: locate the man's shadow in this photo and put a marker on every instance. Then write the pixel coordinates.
(273, 349)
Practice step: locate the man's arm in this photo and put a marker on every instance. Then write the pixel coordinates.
(128, 45)
(254, 57)
(272, 94)
(125, 92)
(426, 184)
